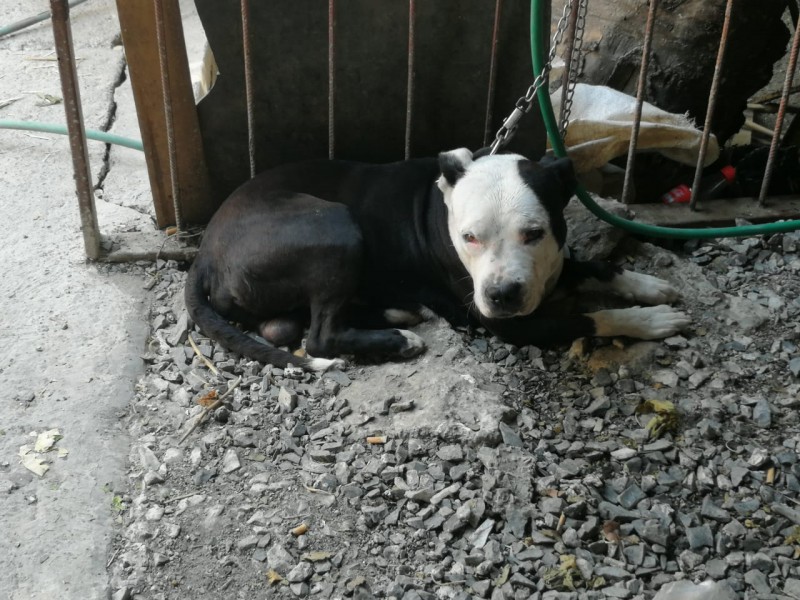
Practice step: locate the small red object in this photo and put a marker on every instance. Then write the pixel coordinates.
(710, 187)
(681, 194)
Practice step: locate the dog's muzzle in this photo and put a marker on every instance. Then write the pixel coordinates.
(504, 298)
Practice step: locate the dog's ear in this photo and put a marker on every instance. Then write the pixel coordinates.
(564, 171)
(453, 165)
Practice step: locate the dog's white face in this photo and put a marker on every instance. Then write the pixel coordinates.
(505, 218)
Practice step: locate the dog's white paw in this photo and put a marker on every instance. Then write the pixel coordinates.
(645, 323)
(414, 344)
(320, 365)
(640, 287)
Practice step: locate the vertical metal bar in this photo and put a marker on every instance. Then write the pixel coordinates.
(627, 186)
(331, 74)
(712, 103)
(248, 86)
(412, 18)
(169, 121)
(569, 47)
(487, 128)
(776, 134)
(62, 34)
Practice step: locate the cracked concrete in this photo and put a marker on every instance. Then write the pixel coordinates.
(110, 118)
(71, 332)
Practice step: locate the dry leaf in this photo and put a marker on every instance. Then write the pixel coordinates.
(208, 399)
(48, 100)
(503, 577)
(665, 419)
(655, 406)
(611, 531)
(565, 575)
(273, 577)
(34, 464)
(316, 556)
(46, 440)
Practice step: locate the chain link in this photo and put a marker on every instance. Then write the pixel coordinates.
(525, 103)
(574, 67)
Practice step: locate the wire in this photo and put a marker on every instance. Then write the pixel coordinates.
(537, 56)
(24, 23)
(92, 134)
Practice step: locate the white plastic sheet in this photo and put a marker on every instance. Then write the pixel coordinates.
(600, 129)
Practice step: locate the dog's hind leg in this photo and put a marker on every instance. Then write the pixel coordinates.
(328, 335)
(600, 276)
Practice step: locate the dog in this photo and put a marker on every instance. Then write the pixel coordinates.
(354, 251)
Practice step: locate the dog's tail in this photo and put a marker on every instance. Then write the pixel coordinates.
(217, 328)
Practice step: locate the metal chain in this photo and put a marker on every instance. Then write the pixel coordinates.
(574, 69)
(525, 103)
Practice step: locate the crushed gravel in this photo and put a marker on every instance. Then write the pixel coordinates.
(480, 469)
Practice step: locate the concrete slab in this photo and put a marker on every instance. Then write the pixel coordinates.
(71, 332)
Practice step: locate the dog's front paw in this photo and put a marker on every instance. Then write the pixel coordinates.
(656, 322)
(644, 323)
(640, 287)
(413, 344)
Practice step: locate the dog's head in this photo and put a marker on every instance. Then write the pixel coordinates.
(506, 222)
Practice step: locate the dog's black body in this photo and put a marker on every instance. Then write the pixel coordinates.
(310, 241)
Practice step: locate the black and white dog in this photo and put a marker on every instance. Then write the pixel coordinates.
(351, 250)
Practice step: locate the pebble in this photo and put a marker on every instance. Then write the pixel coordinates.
(279, 559)
(301, 572)
(632, 495)
(623, 454)
(794, 366)
(452, 453)
(230, 461)
(510, 437)
(287, 400)
(712, 511)
(762, 415)
(700, 537)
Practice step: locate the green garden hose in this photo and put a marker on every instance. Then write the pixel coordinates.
(538, 27)
(92, 134)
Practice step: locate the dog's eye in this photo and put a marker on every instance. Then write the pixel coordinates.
(532, 235)
(470, 238)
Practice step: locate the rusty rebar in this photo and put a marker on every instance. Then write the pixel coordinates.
(331, 74)
(62, 34)
(487, 129)
(248, 86)
(627, 186)
(412, 42)
(712, 103)
(169, 122)
(776, 134)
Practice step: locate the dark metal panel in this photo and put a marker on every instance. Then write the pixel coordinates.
(290, 44)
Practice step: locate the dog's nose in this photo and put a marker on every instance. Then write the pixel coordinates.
(505, 294)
